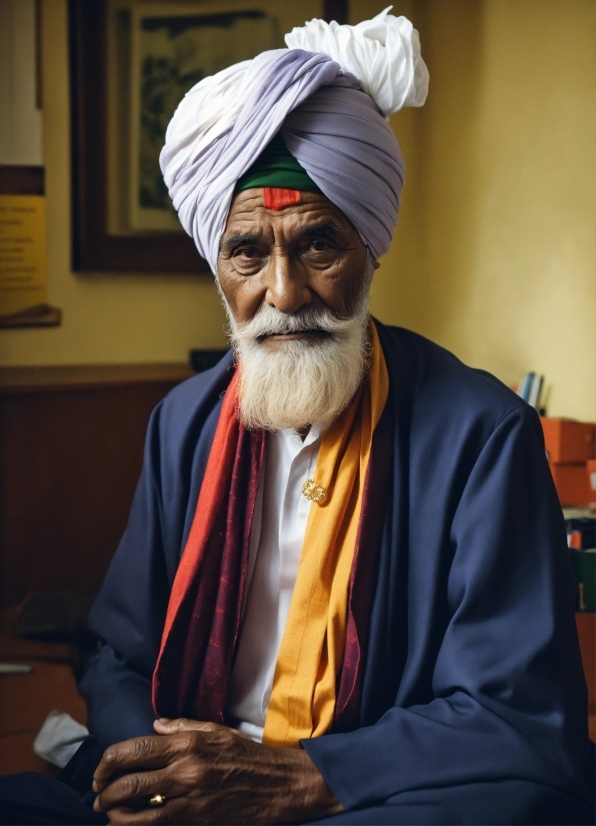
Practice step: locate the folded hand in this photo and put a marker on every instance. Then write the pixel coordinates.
(208, 774)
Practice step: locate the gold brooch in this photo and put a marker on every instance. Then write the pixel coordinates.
(316, 493)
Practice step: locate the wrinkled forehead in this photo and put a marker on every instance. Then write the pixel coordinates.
(263, 208)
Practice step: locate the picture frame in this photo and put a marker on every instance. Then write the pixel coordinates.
(131, 61)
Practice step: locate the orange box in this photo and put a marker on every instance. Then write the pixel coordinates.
(572, 483)
(568, 441)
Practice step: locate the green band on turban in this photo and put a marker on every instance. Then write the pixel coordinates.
(276, 167)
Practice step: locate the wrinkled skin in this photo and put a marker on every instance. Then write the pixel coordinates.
(305, 254)
(208, 774)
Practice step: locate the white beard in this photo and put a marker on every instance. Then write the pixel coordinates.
(292, 384)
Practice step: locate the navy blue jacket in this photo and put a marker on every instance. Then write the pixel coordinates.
(473, 673)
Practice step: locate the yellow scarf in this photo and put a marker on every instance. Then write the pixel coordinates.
(303, 697)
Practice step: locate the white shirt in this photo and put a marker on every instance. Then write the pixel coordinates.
(277, 535)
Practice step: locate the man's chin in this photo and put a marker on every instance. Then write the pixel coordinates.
(292, 383)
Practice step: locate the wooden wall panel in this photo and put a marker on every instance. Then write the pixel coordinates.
(70, 455)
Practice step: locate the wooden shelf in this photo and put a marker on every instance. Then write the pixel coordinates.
(43, 379)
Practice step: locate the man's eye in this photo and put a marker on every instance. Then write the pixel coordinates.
(246, 252)
(319, 246)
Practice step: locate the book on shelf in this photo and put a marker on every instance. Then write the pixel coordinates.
(535, 391)
(524, 386)
(530, 389)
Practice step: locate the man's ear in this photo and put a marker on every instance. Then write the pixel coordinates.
(377, 265)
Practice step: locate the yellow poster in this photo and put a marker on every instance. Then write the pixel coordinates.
(23, 273)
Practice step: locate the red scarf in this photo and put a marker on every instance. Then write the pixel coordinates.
(200, 635)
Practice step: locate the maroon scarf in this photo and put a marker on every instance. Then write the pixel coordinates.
(200, 636)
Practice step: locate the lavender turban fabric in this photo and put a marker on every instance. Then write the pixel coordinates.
(333, 129)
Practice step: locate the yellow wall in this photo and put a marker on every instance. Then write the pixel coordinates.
(495, 254)
(108, 318)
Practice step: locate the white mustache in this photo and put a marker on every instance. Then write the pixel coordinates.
(270, 321)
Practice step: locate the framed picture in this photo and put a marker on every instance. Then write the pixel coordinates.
(132, 62)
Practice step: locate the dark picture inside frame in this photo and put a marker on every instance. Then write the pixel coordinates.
(171, 52)
(132, 62)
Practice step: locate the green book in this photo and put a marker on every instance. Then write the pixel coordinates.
(584, 568)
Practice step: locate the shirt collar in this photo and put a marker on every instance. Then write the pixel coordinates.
(316, 431)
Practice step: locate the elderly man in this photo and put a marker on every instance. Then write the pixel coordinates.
(344, 589)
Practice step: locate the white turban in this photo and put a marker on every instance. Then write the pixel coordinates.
(327, 94)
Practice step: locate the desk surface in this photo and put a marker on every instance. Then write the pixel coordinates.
(27, 699)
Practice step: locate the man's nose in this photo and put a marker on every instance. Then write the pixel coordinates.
(287, 287)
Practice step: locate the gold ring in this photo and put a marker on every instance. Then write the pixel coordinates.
(157, 800)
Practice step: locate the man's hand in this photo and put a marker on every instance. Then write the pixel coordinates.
(209, 774)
